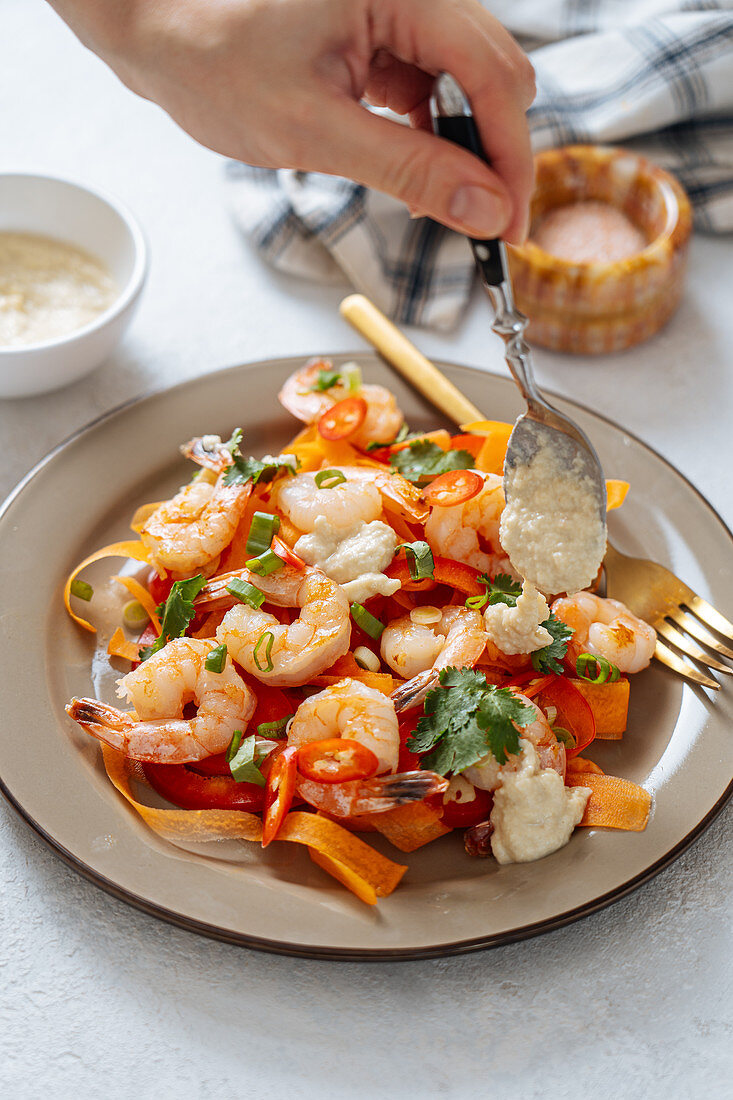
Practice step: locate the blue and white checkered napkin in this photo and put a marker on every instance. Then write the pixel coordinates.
(656, 75)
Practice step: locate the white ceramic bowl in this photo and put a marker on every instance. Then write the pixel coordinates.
(100, 225)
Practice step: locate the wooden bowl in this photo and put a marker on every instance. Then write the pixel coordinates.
(594, 307)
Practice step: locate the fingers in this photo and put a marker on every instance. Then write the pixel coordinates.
(460, 37)
(431, 176)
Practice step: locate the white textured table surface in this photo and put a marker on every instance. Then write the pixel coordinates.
(99, 1000)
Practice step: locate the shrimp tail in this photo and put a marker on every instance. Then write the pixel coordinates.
(208, 451)
(412, 693)
(102, 721)
(386, 792)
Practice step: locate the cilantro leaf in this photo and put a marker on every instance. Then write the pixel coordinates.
(466, 718)
(424, 459)
(549, 657)
(243, 470)
(176, 613)
(504, 590)
(326, 380)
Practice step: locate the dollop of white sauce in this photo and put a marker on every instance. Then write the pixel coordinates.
(551, 527)
(355, 558)
(534, 813)
(517, 629)
(48, 288)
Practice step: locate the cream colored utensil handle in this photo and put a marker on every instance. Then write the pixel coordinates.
(404, 357)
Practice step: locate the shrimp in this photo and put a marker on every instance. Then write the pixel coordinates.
(459, 531)
(159, 688)
(188, 533)
(383, 419)
(350, 709)
(419, 650)
(606, 628)
(370, 796)
(488, 772)
(358, 499)
(278, 654)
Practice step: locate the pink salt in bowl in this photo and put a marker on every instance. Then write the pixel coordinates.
(603, 267)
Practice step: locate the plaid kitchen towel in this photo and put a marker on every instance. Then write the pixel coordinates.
(655, 75)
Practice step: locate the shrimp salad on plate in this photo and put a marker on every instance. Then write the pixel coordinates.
(331, 642)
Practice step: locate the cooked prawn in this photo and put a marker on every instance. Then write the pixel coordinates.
(159, 689)
(350, 709)
(383, 419)
(412, 649)
(359, 499)
(488, 772)
(278, 654)
(606, 628)
(370, 796)
(463, 530)
(188, 533)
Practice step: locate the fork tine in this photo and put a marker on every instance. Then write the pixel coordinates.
(683, 668)
(689, 647)
(711, 616)
(694, 626)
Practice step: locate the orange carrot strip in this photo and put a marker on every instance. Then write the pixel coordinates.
(119, 646)
(490, 459)
(614, 803)
(366, 872)
(408, 827)
(610, 705)
(134, 550)
(580, 764)
(615, 493)
(140, 593)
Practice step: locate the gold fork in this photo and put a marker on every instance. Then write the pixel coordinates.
(679, 616)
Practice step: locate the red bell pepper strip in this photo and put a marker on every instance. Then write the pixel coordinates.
(279, 792)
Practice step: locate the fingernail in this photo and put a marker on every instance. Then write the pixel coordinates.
(482, 213)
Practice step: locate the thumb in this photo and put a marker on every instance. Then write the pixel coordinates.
(430, 175)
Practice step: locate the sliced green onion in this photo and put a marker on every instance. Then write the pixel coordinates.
(274, 729)
(265, 563)
(351, 377)
(264, 527)
(134, 615)
(216, 659)
(565, 736)
(477, 603)
(81, 589)
(243, 763)
(329, 479)
(268, 651)
(420, 559)
(234, 744)
(363, 618)
(246, 592)
(596, 670)
(365, 658)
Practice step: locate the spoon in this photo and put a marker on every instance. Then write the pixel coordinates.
(553, 481)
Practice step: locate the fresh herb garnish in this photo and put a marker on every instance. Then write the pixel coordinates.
(263, 528)
(501, 590)
(274, 729)
(176, 613)
(265, 563)
(401, 436)
(246, 592)
(465, 719)
(268, 638)
(81, 589)
(423, 459)
(368, 623)
(549, 658)
(244, 758)
(419, 559)
(216, 659)
(329, 479)
(251, 469)
(326, 380)
(596, 670)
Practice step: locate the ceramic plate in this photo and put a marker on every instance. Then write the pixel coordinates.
(678, 743)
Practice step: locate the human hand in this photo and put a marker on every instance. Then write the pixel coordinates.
(278, 83)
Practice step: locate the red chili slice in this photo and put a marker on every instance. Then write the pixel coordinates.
(279, 792)
(455, 574)
(288, 556)
(185, 788)
(343, 419)
(453, 487)
(462, 815)
(336, 760)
